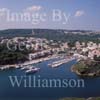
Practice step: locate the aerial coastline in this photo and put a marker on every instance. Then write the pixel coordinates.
(23, 51)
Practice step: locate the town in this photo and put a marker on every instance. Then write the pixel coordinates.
(41, 49)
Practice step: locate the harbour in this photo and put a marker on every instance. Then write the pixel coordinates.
(47, 72)
(4, 67)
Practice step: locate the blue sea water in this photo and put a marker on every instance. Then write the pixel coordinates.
(7, 92)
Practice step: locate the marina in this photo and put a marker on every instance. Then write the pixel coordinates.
(45, 71)
(60, 62)
(18, 66)
(28, 67)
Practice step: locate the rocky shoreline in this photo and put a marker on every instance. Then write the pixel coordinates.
(75, 71)
(84, 75)
(91, 74)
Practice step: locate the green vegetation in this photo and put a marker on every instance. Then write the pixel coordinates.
(88, 67)
(12, 57)
(15, 33)
(50, 34)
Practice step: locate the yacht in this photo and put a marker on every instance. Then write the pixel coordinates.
(27, 67)
(32, 70)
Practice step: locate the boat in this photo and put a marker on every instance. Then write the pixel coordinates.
(55, 62)
(32, 70)
(55, 65)
(60, 62)
(23, 68)
(27, 67)
(18, 67)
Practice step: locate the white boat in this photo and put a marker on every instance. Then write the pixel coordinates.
(32, 70)
(17, 67)
(55, 65)
(23, 68)
(27, 67)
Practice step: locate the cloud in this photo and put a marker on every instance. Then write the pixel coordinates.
(79, 13)
(33, 8)
(3, 11)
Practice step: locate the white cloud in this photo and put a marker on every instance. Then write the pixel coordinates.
(3, 11)
(33, 8)
(79, 13)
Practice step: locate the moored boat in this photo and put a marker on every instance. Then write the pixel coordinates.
(32, 70)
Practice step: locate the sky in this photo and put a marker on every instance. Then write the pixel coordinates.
(50, 14)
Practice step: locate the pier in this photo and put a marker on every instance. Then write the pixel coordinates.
(60, 62)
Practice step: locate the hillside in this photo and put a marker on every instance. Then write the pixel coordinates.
(51, 34)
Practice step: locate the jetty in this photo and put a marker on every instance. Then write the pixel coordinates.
(40, 60)
(60, 62)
